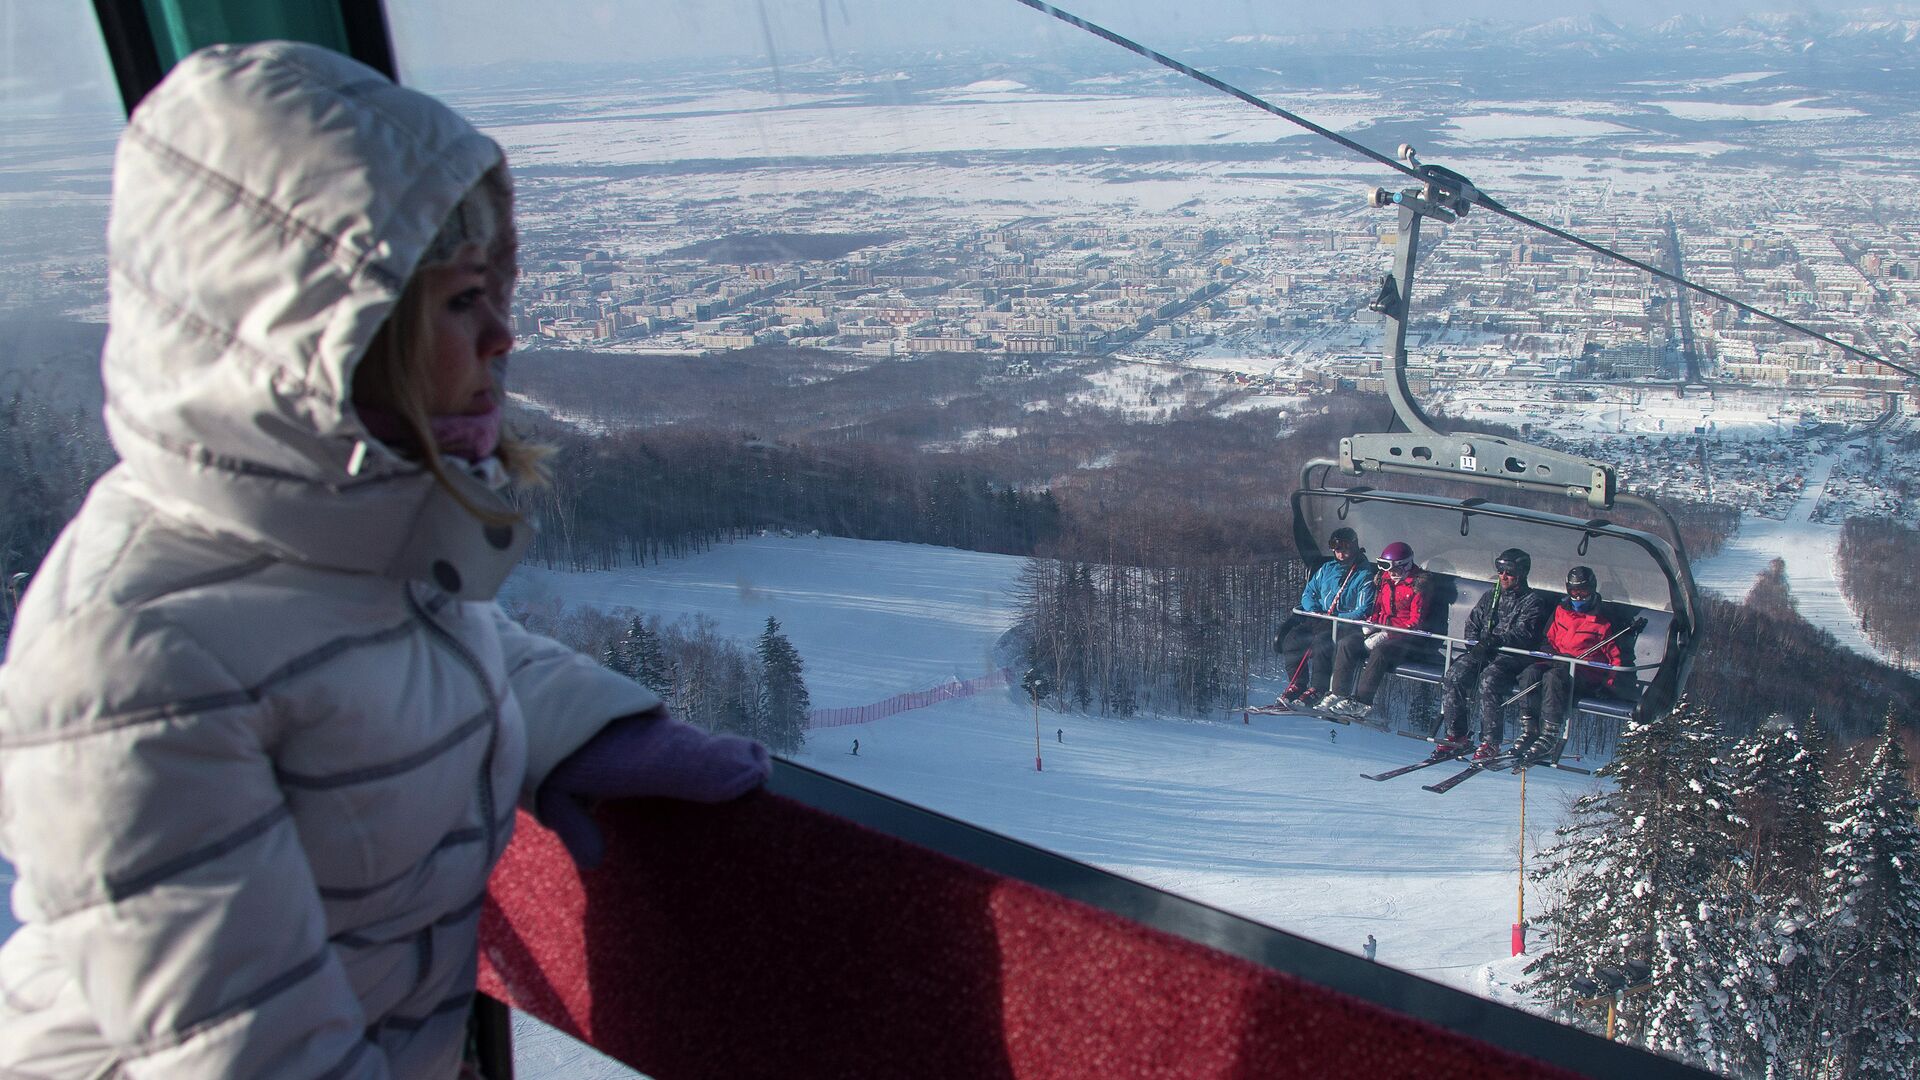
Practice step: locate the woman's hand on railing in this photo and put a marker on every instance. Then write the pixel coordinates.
(650, 755)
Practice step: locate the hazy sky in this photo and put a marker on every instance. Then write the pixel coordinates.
(490, 30)
(53, 46)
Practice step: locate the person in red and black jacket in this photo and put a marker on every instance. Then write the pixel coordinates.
(1579, 628)
(1401, 595)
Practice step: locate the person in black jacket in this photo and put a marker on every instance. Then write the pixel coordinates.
(1510, 615)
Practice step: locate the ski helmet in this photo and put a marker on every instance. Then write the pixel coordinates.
(1397, 557)
(1344, 537)
(1514, 561)
(1580, 579)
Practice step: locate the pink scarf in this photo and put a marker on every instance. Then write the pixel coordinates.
(473, 438)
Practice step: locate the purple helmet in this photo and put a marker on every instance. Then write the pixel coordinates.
(1397, 557)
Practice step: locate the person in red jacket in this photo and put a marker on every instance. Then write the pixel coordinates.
(1401, 594)
(1579, 628)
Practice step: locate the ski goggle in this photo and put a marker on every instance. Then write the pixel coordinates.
(1579, 592)
(1394, 566)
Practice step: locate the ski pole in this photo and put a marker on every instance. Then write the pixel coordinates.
(1637, 625)
(1530, 688)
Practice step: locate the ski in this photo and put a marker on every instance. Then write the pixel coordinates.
(1491, 765)
(1405, 769)
(1282, 710)
(1555, 765)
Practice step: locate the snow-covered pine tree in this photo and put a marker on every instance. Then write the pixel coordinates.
(784, 702)
(652, 667)
(1870, 922)
(1609, 851)
(620, 655)
(1780, 792)
(1706, 978)
(741, 694)
(1647, 865)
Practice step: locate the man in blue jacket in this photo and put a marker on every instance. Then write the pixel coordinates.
(1342, 586)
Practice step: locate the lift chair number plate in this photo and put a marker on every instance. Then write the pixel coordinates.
(1469, 463)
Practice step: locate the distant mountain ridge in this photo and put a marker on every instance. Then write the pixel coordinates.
(1871, 32)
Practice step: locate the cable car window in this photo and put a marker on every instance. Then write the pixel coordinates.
(1018, 376)
(1121, 433)
(59, 117)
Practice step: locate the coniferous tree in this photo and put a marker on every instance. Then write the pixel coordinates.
(1870, 922)
(620, 655)
(784, 702)
(1771, 593)
(652, 667)
(741, 694)
(1647, 862)
(1780, 791)
(1705, 976)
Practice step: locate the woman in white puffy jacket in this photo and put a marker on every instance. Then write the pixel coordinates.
(262, 726)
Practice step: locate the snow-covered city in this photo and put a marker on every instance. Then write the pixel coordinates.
(898, 343)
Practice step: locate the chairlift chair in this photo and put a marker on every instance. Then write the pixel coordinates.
(1639, 573)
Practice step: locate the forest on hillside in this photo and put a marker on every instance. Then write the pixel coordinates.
(1879, 569)
(1759, 658)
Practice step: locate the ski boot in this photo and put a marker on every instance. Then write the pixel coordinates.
(1547, 751)
(1525, 749)
(1485, 752)
(1350, 708)
(1449, 746)
(1292, 697)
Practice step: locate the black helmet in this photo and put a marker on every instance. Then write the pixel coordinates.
(1514, 561)
(1344, 537)
(1580, 577)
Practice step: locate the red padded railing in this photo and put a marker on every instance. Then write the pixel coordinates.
(769, 938)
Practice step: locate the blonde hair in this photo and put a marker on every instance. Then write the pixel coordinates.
(394, 369)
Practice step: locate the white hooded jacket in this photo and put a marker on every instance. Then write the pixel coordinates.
(262, 727)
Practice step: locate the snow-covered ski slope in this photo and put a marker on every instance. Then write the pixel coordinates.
(1809, 548)
(1270, 820)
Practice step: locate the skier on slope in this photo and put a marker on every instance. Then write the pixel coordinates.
(1401, 594)
(1341, 586)
(1579, 624)
(1510, 615)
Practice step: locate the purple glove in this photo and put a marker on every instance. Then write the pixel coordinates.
(648, 755)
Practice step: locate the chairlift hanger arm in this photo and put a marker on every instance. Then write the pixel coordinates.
(1426, 448)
